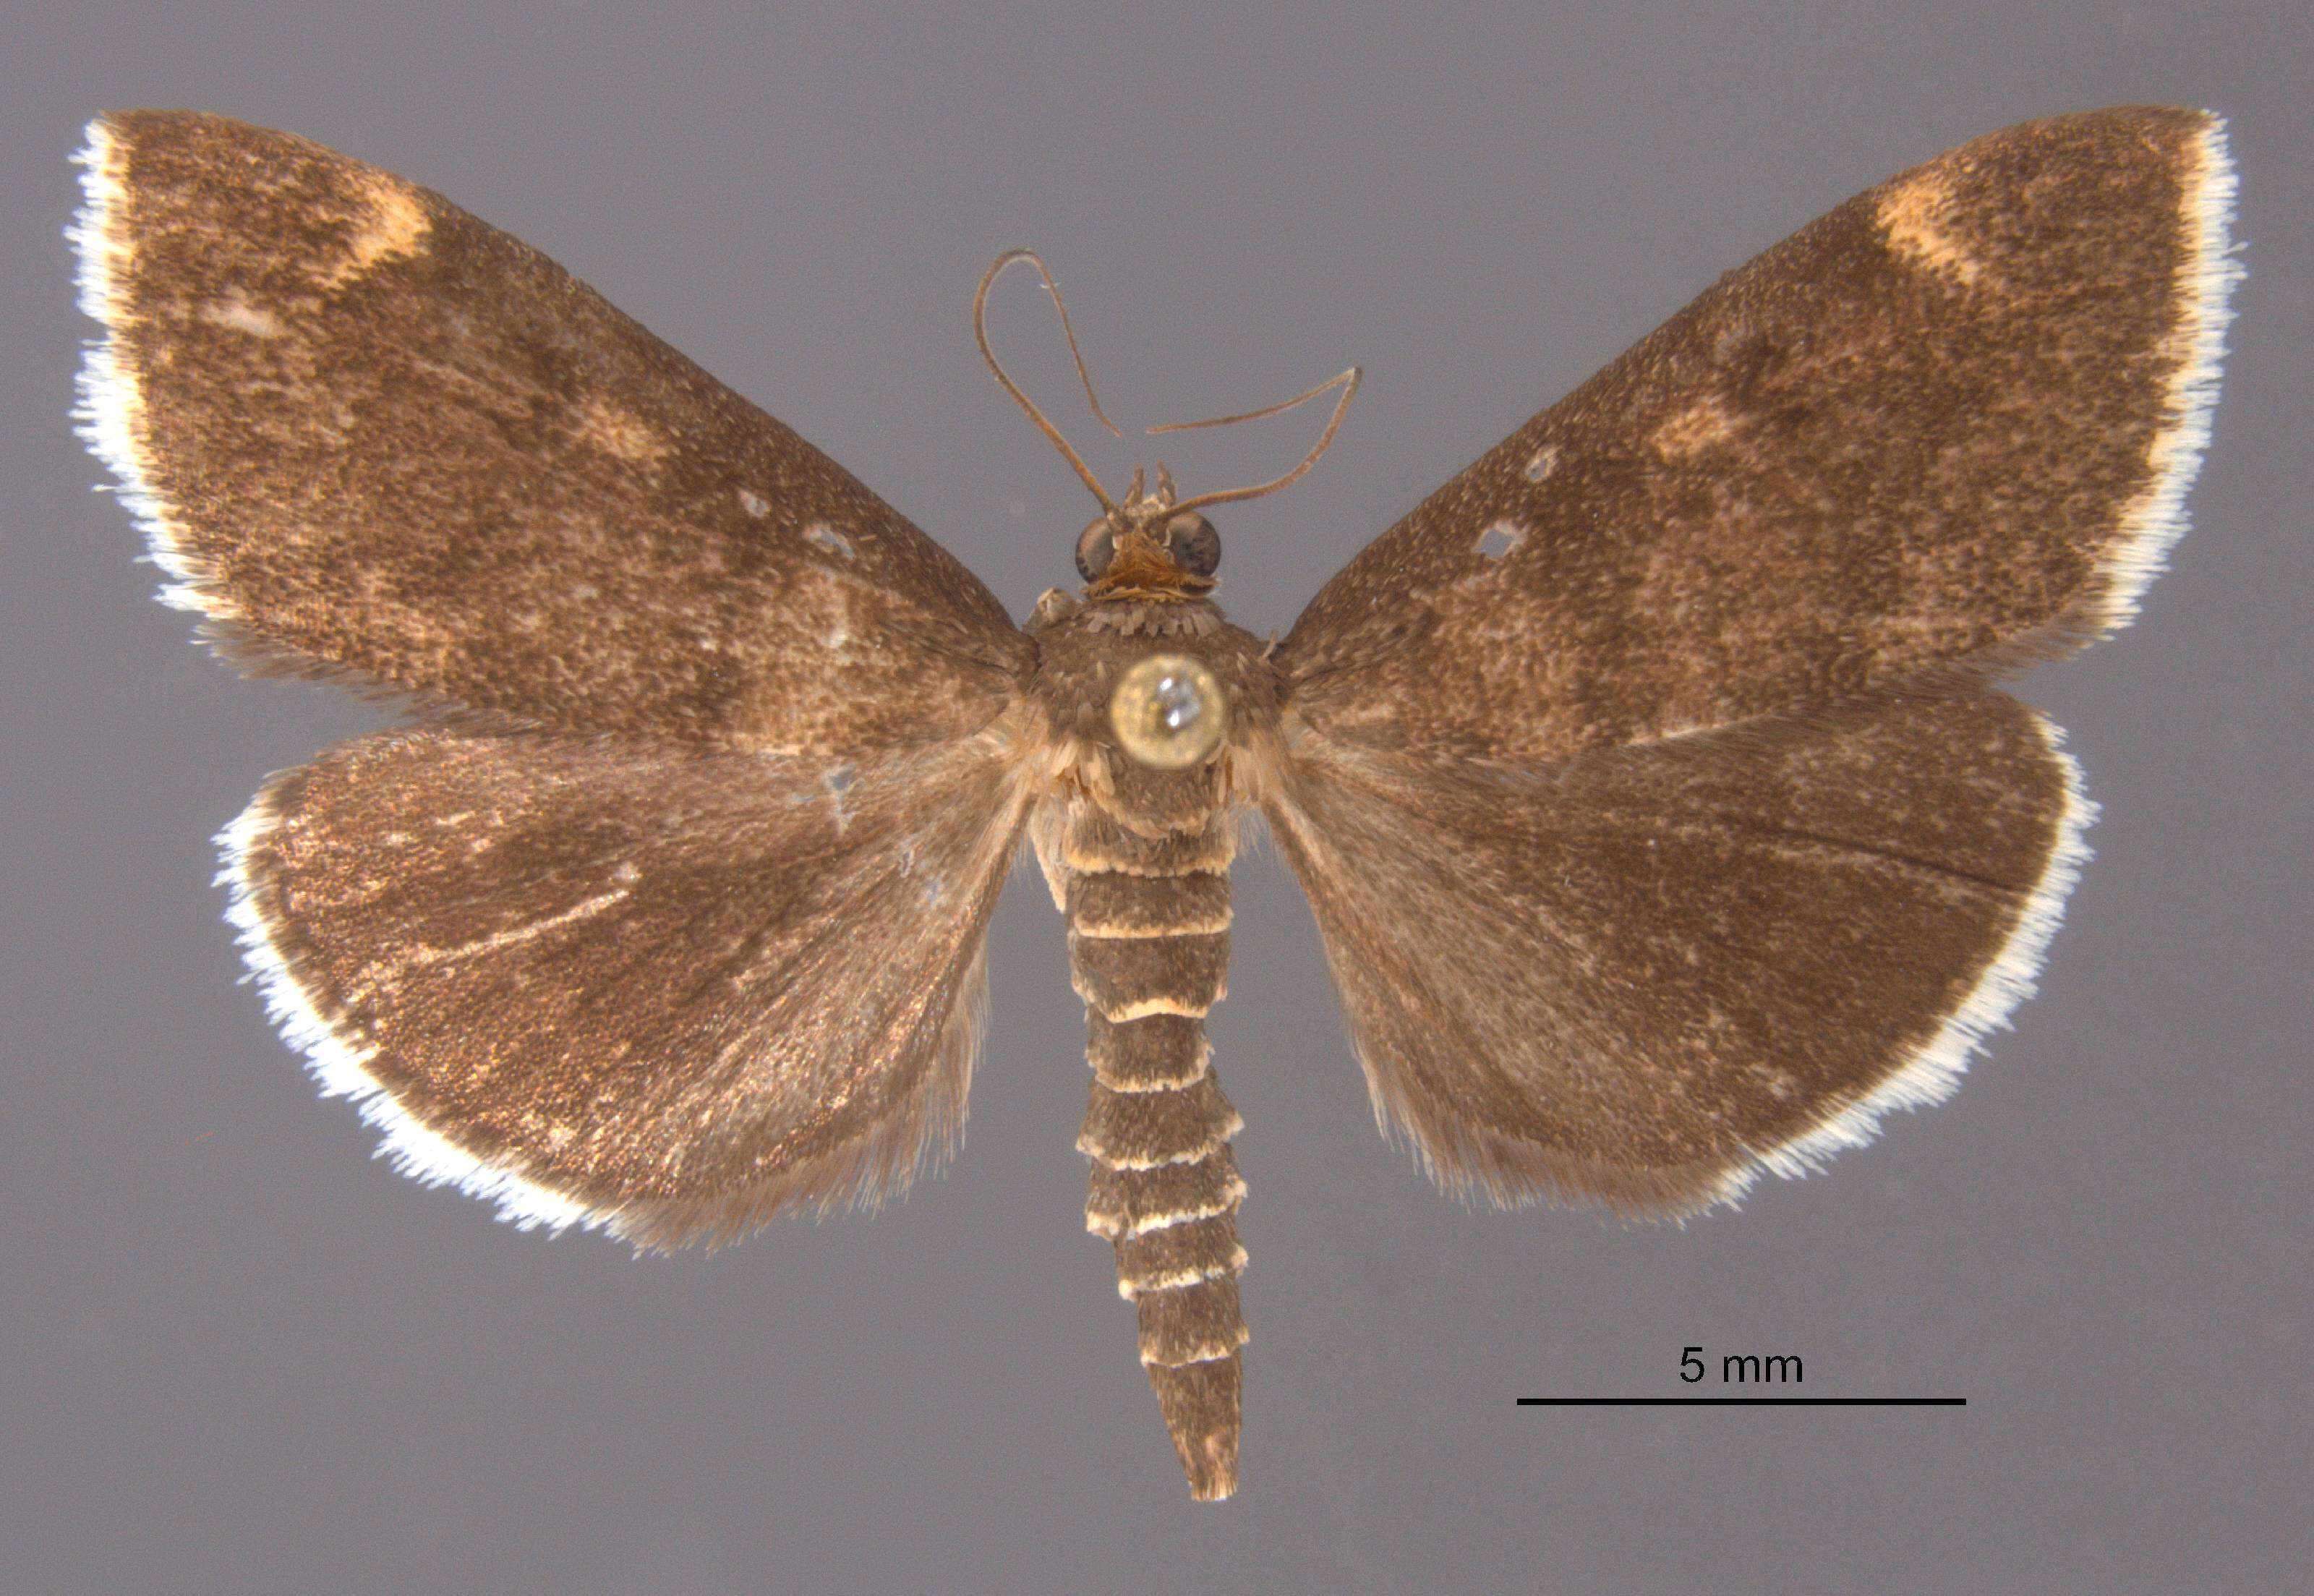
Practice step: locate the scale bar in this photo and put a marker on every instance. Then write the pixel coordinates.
(1743, 1402)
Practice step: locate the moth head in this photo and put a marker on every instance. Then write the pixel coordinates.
(1147, 548)
(1151, 546)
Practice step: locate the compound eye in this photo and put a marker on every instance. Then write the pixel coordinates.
(1096, 547)
(1194, 544)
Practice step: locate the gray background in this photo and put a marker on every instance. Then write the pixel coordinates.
(240, 1356)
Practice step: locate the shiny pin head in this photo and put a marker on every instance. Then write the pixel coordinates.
(1169, 711)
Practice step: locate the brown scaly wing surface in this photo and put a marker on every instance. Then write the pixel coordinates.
(1656, 820)
(678, 916)
(1638, 980)
(1943, 431)
(369, 435)
(627, 987)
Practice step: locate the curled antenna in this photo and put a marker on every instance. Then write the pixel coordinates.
(1028, 406)
(1348, 384)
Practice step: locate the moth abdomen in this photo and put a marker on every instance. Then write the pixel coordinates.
(1176, 1256)
(1149, 952)
(1165, 1126)
(1096, 844)
(1115, 905)
(1166, 1191)
(1126, 1202)
(1135, 978)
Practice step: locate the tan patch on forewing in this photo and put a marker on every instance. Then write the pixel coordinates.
(1701, 426)
(232, 309)
(1912, 216)
(391, 224)
(620, 433)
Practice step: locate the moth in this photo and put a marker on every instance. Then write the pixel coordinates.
(1650, 782)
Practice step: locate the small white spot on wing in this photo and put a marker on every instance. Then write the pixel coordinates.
(837, 783)
(1500, 538)
(822, 535)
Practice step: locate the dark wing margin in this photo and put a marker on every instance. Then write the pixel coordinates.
(1639, 978)
(661, 991)
(1940, 434)
(370, 436)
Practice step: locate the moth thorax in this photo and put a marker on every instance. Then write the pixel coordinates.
(1169, 711)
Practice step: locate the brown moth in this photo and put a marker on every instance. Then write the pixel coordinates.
(1650, 782)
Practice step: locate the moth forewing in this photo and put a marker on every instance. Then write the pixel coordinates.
(1938, 433)
(371, 437)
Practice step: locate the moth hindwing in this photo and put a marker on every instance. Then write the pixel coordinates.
(1650, 782)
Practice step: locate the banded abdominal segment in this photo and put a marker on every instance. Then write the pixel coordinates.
(1148, 953)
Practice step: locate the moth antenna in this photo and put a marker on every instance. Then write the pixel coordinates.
(1348, 384)
(1028, 405)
